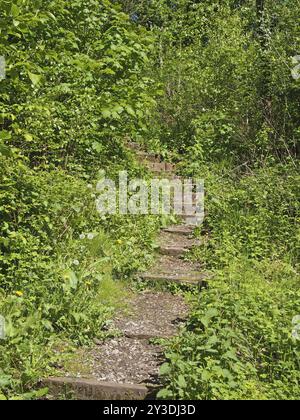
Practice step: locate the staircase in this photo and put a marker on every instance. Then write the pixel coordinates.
(127, 368)
(174, 241)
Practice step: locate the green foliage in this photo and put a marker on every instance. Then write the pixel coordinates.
(74, 93)
(56, 267)
(73, 78)
(227, 78)
(239, 344)
(207, 83)
(253, 213)
(230, 114)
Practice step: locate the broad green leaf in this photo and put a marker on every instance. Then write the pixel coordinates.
(35, 78)
(182, 382)
(106, 113)
(5, 380)
(28, 137)
(130, 110)
(5, 150)
(71, 279)
(164, 369)
(15, 11)
(163, 394)
(5, 135)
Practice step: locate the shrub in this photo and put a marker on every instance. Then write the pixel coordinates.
(239, 344)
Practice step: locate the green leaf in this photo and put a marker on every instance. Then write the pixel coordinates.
(205, 375)
(106, 113)
(98, 147)
(15, 11)
(5, 135)
(41, 392)
(5, 380)
(71, 279)
(211, 313)
(28, 137)
(182, 382)
(163, 394)
(5, 150)
(130, 110)
(165, 369)
(118, 109)
(35, 78)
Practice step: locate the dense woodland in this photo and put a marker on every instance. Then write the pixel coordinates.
(207, 84)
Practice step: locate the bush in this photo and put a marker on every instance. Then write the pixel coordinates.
(250, 212)
(58, 258)
(239, 344)
(74, 94)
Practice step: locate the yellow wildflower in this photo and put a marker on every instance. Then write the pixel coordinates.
(19, 293)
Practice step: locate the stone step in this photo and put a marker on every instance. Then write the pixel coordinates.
(182, 278)
(165, 175)
(145, 157)
(191, 220)
(91, 389)
(134, 146)
(161, 168)
(153, 314)
(180, 230)
(170, 167)
(174, 251)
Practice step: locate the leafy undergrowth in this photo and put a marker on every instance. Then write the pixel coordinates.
(207, 83)
(62, 269)
(239, 343)
(251, 212)
(74, 93)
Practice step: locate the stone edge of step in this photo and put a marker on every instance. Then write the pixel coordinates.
(185, 230)
(180, 279)
(91, 389)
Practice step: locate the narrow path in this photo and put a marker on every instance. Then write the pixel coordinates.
(128, 367)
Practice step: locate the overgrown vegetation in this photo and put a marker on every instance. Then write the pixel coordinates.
(74, 91)
(239, 343)
(230, 115)
(206, 83)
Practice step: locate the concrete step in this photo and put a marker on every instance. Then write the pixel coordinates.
(91, 389)
(161, 168)
(145, 157)
(134, 146)
(180, 230)
(174, 251)
(192, 220)
(182, 278)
